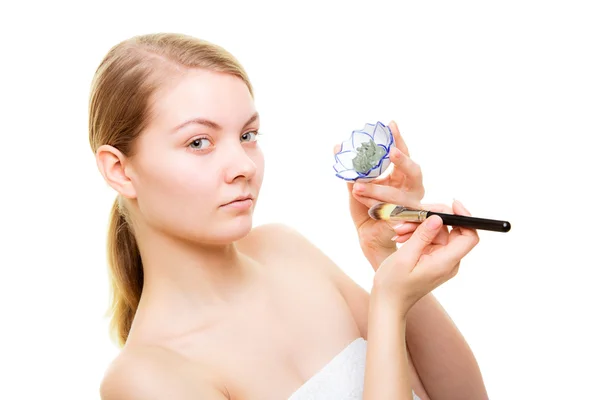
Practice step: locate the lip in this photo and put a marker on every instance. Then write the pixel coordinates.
(241, 201)
(239, 205)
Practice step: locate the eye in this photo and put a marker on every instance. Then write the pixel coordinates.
(249, 136)
(200, 144)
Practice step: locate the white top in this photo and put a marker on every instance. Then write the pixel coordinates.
(342, 378)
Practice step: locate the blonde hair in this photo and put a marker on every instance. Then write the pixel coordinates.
(119, 110)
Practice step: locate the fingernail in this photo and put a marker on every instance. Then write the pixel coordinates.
(434, 222)
(398, 226)
(394, 238)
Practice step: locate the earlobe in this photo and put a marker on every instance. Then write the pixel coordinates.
(111, 164)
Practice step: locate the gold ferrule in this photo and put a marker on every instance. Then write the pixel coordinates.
(407, 215)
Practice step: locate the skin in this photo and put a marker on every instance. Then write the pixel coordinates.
(443, 360)
(229, 311)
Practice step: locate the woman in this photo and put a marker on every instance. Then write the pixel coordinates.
(207, 307)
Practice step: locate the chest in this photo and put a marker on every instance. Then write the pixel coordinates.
(280, 339)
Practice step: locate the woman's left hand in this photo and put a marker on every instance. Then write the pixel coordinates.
(403, 186)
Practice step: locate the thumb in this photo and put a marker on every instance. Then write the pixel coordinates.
(422, 237)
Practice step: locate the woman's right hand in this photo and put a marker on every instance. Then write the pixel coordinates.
(430, 257)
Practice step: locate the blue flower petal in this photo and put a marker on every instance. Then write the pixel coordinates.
(369, 129)
(339, 167)
(385, 161)
(359, 138)
(375, 172)
(391, 141)
(346, 145)
(348, 175)
(345, 158)
(382, 135)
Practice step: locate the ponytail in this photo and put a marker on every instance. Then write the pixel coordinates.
(125, 271)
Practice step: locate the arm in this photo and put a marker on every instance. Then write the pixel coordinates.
(434, 343)
(443, 360)
(442, 357)
(387, 373)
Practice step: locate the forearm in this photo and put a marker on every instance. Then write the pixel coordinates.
(441, 355)
(387, 372)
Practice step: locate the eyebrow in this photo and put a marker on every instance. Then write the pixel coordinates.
(212, 124)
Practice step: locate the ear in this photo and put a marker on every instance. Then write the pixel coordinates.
(112, 165)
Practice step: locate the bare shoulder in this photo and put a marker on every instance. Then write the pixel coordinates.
(274, 231)
(283, 239)
(291, 244)
(286, 243)
(153, 373)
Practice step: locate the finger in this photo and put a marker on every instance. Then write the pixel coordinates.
(398, 140)
(401, 238)
(443, 208)
(366, 201)
(403, 231)
(443, 237)
(456, 249)
(407, 166)
(459, 245)
(423, 236)
(405, 227)
(385, 194)
(459, 209)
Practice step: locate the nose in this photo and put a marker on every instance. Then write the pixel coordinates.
(239, 164)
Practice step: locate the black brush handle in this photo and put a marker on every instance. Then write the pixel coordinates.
(472, 222)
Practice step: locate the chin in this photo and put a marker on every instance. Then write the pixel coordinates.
(227, 232)
(240, 228)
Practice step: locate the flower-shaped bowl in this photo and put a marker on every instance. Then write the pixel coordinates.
(371, 135)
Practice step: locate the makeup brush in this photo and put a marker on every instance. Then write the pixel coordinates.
(393, 212)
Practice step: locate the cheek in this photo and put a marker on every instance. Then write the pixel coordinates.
(174, 189)
(167, 170)
(179, 182)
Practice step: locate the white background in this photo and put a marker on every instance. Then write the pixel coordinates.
(498, 102)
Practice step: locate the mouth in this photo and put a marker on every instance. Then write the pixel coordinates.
(243, 199)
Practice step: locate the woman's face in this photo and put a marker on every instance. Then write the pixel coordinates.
(197, 156)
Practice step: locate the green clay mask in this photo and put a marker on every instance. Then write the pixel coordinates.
(368, 155)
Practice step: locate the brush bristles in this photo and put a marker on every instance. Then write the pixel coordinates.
(382, 211)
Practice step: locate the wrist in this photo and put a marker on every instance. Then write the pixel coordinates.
(376, 255)
(384, 302)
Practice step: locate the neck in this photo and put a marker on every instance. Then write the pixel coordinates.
(184, 281)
